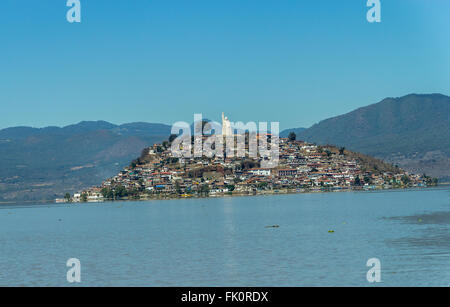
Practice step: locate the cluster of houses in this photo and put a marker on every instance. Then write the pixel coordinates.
(302, 167)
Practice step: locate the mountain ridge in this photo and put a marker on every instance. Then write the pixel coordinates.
(412, 131)
(42, 163)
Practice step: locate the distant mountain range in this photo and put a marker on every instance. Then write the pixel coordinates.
(412, 131)
(297, 131)
(42, 164)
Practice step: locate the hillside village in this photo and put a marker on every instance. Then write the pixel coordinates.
(303, 167)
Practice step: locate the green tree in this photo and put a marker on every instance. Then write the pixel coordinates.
(230, 187)
(67, 197)
(178, 188)
(134, 193)
(405, 179)
(120, 192)
(84, 197)
(292, 136)
(203, 190)
(262, 185)
(107, 193)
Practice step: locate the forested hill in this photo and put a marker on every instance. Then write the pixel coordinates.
(38, 164)
(412, 131)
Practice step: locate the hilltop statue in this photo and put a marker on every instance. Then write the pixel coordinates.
(226, 126)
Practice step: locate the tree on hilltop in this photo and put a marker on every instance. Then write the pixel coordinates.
(292, 136)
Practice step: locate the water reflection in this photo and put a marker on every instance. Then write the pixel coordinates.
(427, 231)
(436, 218)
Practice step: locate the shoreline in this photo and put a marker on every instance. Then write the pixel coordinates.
(268, 193)
(284, 192)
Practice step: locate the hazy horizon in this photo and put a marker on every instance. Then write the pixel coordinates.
(216, 118)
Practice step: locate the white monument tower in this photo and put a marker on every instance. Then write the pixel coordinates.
(226, 126)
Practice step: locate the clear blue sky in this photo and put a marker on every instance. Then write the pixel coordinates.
(292, 61)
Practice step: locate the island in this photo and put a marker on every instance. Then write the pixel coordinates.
(303, 167)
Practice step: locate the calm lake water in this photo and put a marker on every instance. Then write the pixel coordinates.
(225, 242)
